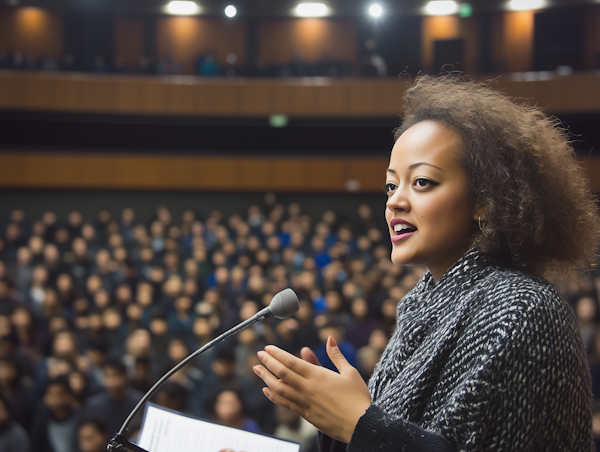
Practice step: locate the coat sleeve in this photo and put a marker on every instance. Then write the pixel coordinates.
(379, 431)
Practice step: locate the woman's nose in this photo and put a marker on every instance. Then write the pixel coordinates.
(398, 202)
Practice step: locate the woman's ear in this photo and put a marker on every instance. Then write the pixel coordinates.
(479, 213)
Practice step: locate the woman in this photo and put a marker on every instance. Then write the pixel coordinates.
(486, 356)
(227, 408)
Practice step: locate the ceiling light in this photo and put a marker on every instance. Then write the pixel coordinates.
(441, 8)
(375, 10)
(230, 11)
(524, 5)
(182, 8)
(311, 9)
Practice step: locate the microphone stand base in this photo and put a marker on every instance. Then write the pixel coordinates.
(120, 443)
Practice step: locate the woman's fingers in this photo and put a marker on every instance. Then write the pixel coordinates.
(281, 401)
(279, 369)
(336, 357)
(290, 361)
(278, 386)
(309, 356)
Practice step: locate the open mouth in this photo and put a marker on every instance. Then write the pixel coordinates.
(402, 230)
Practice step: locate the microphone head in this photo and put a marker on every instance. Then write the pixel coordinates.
(285, 304)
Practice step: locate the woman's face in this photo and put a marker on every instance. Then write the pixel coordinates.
(228, 407)
(429, 212)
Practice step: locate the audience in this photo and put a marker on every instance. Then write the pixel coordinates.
(92, 313)
(205, 65)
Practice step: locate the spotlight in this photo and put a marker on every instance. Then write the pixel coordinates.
(441, 8)
(230, 11)
(182, 8)
(311, 9)
(375, 10)
(524, 5)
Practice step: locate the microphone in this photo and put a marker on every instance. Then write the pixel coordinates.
(283, 305)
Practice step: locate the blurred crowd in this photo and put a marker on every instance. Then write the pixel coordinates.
(206, 65)
(92, 313)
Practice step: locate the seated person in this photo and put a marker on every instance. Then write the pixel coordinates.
(92, 435)
(13, 437)
(55, 425)
(227, 408)
(114, 405)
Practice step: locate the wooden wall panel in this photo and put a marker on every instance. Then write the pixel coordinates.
(141, 172)
(370, 173)
(592, 36)
(312, 40)
(31, 30)
(591, 168)
(129, 40)
(437, 28)
(517, 41)
(578, 93)
(470, 34)
(184, 39)
(108, 171)
(451, 27)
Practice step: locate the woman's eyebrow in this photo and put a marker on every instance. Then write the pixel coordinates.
(414, 165)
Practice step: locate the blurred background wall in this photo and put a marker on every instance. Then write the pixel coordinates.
(147, 96)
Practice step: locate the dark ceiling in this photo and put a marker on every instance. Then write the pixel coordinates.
(265, 8)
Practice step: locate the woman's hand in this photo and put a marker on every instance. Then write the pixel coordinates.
(330, 401)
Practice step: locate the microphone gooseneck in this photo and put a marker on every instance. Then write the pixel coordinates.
(283, 305)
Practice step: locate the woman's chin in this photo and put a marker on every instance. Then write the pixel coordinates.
(401, 259)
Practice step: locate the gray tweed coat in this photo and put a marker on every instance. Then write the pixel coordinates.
(486, 359)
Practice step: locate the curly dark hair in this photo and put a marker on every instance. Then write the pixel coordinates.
(538, 212)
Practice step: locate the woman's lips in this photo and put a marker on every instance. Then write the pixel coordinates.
(402, 236)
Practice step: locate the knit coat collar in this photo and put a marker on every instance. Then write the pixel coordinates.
(465, 272)
(427, 319)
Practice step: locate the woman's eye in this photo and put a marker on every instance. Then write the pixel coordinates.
(422, 182)
(389, 188)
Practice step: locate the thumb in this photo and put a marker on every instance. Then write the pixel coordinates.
(336, 357)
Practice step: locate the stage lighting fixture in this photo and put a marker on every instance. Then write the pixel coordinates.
(311, 9)
(441, 8)
(525, 5)
(230, 11)
(182, 8)
(375, 10)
